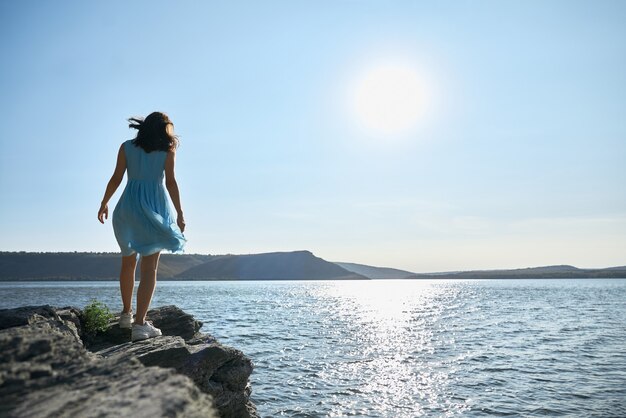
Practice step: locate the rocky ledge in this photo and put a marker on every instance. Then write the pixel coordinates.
(50, 367)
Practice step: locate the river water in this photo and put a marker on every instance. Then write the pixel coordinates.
(404, 348)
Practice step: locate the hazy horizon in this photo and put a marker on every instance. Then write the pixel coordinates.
(427, 137)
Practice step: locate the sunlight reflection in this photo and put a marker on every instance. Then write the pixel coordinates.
(390, 344)
(386, 304)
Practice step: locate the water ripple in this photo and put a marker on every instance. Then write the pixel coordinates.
(407, 348)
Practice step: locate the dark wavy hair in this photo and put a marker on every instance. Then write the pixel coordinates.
(154, 133)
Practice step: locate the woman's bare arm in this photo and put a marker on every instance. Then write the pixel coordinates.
(114, 183)
(172, 188)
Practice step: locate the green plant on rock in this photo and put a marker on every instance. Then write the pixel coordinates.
(96, 317)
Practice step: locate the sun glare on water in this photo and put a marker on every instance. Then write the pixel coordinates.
(390, 100)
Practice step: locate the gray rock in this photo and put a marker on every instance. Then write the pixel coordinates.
(217, 370)
(129, 392)
(174, 321)
(31, 314)
(26, 315)
(45, 369)
(170, 319)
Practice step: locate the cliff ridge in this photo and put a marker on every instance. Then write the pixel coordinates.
(49, 366)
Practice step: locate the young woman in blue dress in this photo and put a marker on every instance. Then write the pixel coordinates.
(143, 220)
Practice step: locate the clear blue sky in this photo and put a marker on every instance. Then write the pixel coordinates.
(519, 160)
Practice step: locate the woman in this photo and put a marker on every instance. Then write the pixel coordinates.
(143, 221)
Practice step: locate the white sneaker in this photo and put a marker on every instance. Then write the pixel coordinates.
(126, 320)
(145, 331)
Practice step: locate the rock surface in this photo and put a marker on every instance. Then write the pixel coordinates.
(50, 367)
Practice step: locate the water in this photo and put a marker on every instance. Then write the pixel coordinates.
(405, 348)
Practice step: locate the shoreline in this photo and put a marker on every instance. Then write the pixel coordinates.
(116, 280)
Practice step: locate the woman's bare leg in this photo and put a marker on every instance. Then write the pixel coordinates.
(127, 281)
(149, 265)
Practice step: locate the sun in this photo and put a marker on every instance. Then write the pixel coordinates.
(389, 100)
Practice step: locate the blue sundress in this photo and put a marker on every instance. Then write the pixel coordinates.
(143, 220)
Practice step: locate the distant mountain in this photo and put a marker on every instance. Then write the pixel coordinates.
(171, 265)
(546, 272)
(84, 266)
(296, 265)
(375, 272)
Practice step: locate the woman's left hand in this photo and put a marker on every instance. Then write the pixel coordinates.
(103, 213)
